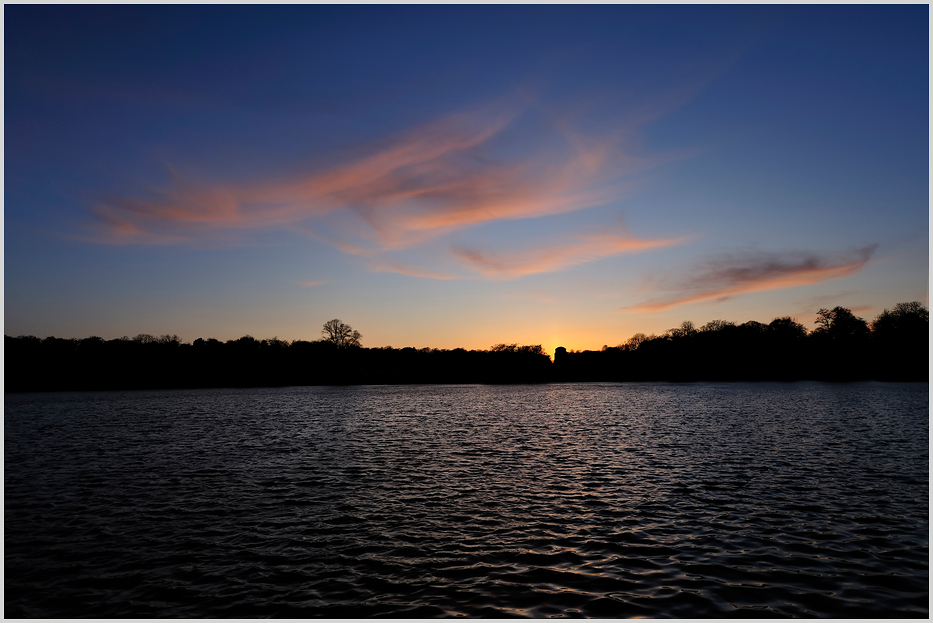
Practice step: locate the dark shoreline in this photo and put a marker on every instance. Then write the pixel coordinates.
(843, 347)
(71, 365)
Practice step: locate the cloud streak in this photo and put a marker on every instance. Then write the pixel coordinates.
(417, 165)
(428, 181)
(454, 173)
(723, 278)
(580, 249)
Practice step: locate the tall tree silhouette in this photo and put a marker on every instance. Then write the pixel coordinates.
(901, 342)
(840, 324)
(840, 346)
(907, 321)
(840, 349)
(339, 334)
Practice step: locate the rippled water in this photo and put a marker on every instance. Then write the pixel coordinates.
(611, 500)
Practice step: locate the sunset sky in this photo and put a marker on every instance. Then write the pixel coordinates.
(460, 176)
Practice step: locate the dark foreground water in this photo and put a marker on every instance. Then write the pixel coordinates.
(609, 500)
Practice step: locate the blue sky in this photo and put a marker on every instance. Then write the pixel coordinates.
(460, 176)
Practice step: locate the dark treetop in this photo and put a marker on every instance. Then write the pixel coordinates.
(842, 347)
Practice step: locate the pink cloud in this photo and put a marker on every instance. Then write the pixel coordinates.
(381, 265)
(414, 166)
(723, 278)
(578, 250)
(431, 181)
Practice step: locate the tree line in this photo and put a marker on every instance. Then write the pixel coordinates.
(894, 347)
(842, 347)
(163, 362)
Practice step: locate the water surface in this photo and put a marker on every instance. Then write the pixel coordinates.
(605, 500)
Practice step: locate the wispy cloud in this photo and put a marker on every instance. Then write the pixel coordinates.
(433, 180)
(725, 277)
(416, 166)
(388, 265)
(578, 250)
(310, 284)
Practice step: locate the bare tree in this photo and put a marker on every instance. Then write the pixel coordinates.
(716, 325)
(635, 341)
(686, 329)
(339, 334)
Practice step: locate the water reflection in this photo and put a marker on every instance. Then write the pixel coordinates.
(571, 500)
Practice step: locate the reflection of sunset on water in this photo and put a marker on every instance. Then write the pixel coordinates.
(600, 500)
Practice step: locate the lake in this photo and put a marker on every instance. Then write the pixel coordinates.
(580, 500)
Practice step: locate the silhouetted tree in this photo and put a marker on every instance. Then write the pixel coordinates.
(905, 321)
(340, 335)
(686, 329)
(840, 345)
(635, 341)
(753, 327)
(786, 329)
(840, 323)
(839, 349)
(900, 338)
(716, 325)
(274, 343)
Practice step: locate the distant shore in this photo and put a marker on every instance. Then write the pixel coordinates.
(895, 347)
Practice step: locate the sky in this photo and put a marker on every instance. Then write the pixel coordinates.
(460, 176)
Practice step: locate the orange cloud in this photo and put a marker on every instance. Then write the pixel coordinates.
(412, 167)
(582, 248)
(393, 266)
(724, 278)
(428, 182)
